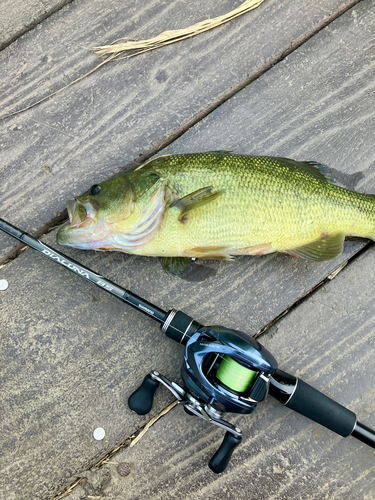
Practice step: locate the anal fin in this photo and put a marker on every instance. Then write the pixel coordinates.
(327, 247)
(257, 249)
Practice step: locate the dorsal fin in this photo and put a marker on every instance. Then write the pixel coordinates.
(220, 152)
(313, 168)
(150, 161)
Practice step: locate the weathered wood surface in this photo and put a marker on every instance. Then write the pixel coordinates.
(92, 129)
(16, 18)
(70, 355)
(328, 341)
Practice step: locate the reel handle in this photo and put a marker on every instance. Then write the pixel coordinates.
(220, 460)
(141, 400)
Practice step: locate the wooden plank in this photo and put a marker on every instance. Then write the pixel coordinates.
(72, 356)
(328, 342)
(87, 133)
(18, 18)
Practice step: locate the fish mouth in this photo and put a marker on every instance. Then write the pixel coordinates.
(79, 212)
(77, 231)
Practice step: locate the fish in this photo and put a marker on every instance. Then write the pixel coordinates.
(216, 205)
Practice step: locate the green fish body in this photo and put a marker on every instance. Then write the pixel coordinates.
(216, 205)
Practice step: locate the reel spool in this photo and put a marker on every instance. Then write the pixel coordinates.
(227, 369)
(235, 376)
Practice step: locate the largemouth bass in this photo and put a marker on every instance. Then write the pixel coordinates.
(217, 205)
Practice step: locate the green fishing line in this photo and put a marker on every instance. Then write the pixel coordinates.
(234, 375)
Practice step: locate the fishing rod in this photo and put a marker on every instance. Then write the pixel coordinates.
(224, 370)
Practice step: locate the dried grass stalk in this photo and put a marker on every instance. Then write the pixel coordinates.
(151, 422)
(138, 47)
(171, 36)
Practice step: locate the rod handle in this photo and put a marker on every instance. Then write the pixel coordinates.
(325, 411)
(304, 399)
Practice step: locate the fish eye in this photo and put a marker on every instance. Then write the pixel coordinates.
(95, 189)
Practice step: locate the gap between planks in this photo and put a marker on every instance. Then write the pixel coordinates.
(35, 23)
(127, 443)
(331, 276)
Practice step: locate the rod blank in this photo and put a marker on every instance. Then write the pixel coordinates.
(84, 272)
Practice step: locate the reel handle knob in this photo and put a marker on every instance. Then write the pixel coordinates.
(220, 460)
(141, 400)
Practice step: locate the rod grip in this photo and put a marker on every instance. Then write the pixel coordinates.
(179, 327)
(315, 405)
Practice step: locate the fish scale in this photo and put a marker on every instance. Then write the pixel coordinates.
(231, 205)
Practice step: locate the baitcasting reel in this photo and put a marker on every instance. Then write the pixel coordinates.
(223, 371)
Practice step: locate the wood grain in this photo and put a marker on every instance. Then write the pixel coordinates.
(90, 131)
(317, 104)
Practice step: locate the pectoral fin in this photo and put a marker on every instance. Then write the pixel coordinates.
(327, 247)
(195, 200)
(177, 266)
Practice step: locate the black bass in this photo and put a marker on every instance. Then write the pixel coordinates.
(216, 205)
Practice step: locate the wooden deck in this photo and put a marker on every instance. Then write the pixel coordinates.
(291, 78)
